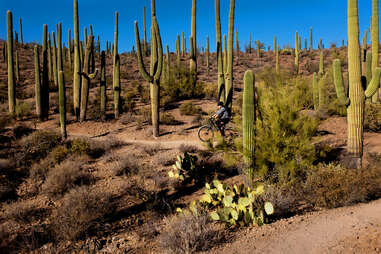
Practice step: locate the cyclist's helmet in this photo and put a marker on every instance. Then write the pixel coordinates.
(220, 103)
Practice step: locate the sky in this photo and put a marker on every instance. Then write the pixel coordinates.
(263, 19)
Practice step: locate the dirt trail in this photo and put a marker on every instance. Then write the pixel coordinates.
(355, 229)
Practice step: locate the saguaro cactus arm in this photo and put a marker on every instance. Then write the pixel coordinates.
(159, 49)
(142, 68)
(374, 83)
(339, 83)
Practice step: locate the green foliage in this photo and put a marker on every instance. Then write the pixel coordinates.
(283, 140)
(23, 109)
(189, 109)
(185, 168)
(235, 204)
(80, 146)
(372, 117)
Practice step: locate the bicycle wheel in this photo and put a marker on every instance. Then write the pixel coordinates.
(205, 133)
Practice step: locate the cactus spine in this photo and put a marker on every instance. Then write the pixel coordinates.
(156, 67)
(116, 68)
(37, 81)
(77, 64)
(11, 74)
(229, 72)
(375, 42)
(355, 101)
(103, 85)
(248, 118)
(220, 60)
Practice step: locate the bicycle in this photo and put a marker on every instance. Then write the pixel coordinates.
(206, 132)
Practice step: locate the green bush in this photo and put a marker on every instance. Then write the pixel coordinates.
(372, 117)
(189, 109)
(23, 109)
(80, 146)
(283, 134)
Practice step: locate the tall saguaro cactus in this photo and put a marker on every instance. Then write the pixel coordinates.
(77, 64)
(193, 43)
(61, 83)
(37, 79)
(207, 53)
(178, 54)
(86, 76)
(277, 65)
(220, 61)
(45, 76)
(145, 49)
(103, 85)
(11, 74)
(69, 49)
(116, 69)
(375, 42)
(21, 36)
(156, 67)
(357, 94)
(229, 72)
(248, 118)
(296, 52)
(311, 41)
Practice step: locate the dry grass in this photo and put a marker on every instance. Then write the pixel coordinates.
(80, 209)
(22, 211)
(188, 233)
(124, 165)
(66, 176)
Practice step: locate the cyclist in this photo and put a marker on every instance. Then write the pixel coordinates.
(222, 117)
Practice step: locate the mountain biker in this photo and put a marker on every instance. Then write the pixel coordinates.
(222, 117)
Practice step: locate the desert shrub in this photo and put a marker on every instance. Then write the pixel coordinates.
(125, 165)
(80, 146)
(333, 186)
(168, 119)
(80, 209)
(152, 149)
(165, 160)
(188, 233)
(37, 145)
(372, 117)
(210, 91)
(128, 101)
(21, 130)
(146, 115)
(64, 177)
(22, 211)
(59, 154)
(188, 148)
(23, 109)
(39, 170)
(189, 109)
(283, 138)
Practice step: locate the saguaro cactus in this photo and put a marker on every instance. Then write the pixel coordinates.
(17, 67)
(296, 53)
(220, 61)
(258, 48)
(45, 76)
(21, 36)
(275, 45)
(103, 85)
(315, 91)
(55, 72)
(277, 65)
(229, 72)
(37, 81)
(355, 101)
(11, 74)
(116, 69)
(193, 57)
(311, 41)
(156, 67)
(145, 49)
(248, 118)
(77, 64)
(207, 53)
(61, 83)
(69, 49)
(178, 56)
(249, 43)
(183, 44)
(86, 76)
(375, 42)
(321, 64)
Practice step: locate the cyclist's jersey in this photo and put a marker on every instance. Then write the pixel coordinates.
(222, 113)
